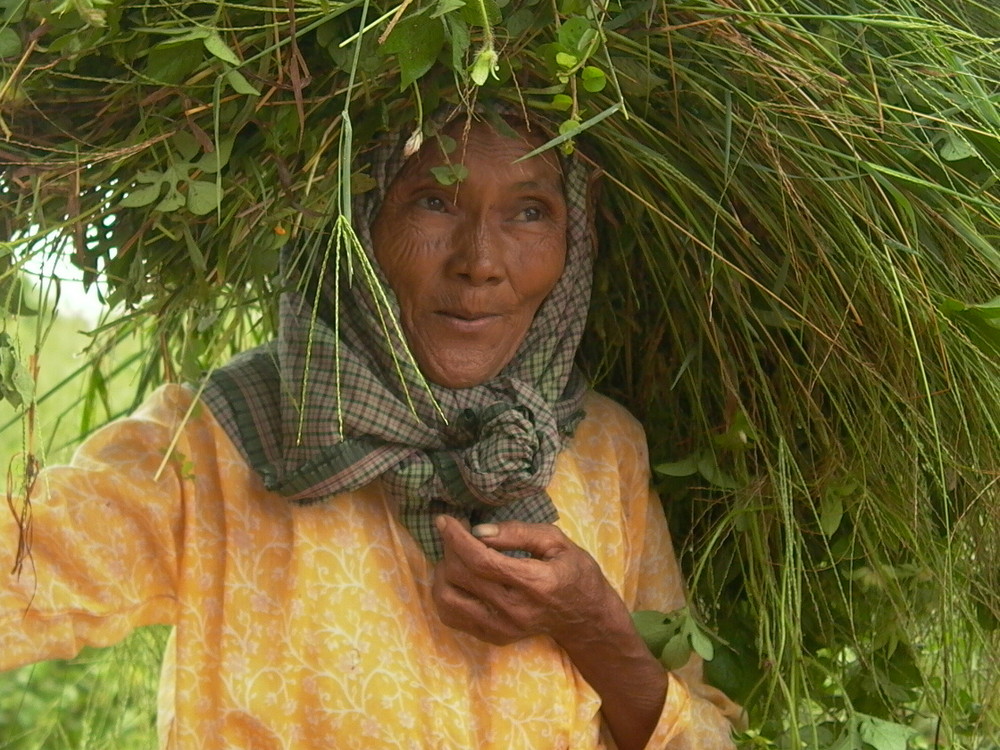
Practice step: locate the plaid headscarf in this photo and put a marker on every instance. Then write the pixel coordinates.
(337, 400)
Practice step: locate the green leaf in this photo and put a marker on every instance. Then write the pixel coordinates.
(172, 64)
(238, 82)
(484, 65)
(460, 41)
(593, 79)
(831, 513)
(203, 197)
(700, 642)
(12, 11)
(10, 43)
(195, 254)
(562, 102)
(568, 126)
(447, 6)
(676, 652)
(566, 60)
(141, 196)
(883, 735)
(473, 15)
(683, 468)
(217, 47)
(653, 628)
(416, 42)
(573, 34)
(16, 385)
(955, 148)
(12, 299)
(709, 468)
(185, 144)
(214, 161)
(171, 201)
(981, 322)
(449, 174)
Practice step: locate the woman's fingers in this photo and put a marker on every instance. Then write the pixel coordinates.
(480, 590)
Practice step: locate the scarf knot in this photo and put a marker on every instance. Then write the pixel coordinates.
(512, 455)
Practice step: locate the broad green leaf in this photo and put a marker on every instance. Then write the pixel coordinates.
(238, 82)
(708, 467)
(700, 642)
(484, 66)
(362, 183)
(981, 322)
(593, 79)
(185, 144)
(214, 161)
(562, 102)
(215, 45)
(683, 468)
(171, 201)
(473, 13)
(148, 175)
(566, 60)
(416, 42)
(520, 22)
(141, 196)
(831, 513)
(884, 735)
(16, 385)
(10, 43)
(573, 33)
(447, 6)
(654, 629)
(568, 126)
(12, 11)
(203, 197)
(172, 64)
(458, 35)
(195, 254)
(192, 35)
(12, 299)
(955, 148)
(676, 652)
(449, 174)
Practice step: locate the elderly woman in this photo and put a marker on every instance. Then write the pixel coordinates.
(470, 526)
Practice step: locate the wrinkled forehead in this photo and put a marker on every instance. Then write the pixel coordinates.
(462, 142)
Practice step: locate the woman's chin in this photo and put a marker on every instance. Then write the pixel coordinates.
(464, 370)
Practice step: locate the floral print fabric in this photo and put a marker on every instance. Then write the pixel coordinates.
(312, 626)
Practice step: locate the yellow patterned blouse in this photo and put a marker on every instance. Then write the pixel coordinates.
(313, 627)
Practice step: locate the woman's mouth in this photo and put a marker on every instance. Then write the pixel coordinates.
(467, 320)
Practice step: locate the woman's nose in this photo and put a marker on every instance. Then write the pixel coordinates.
(476, 255)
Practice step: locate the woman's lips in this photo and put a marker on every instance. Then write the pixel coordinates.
(467, 322)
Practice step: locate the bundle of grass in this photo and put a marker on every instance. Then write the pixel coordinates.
(797, 288)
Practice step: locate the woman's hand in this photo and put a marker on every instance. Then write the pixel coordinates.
(559, 591)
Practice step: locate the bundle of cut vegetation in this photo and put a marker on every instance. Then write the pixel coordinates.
(797, 291)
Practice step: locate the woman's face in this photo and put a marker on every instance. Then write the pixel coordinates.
(471, 263)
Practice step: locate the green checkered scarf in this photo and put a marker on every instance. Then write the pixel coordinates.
(337, 401)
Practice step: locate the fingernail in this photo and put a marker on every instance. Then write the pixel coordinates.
(440, 522)
(484, 530)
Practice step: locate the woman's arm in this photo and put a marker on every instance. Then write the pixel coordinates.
(105, 540)
(561, 592)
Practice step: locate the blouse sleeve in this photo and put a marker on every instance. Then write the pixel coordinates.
(695, 716)
(105, 534)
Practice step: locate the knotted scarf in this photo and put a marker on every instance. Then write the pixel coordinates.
(337, 400)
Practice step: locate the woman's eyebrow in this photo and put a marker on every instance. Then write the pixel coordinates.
(546, 186)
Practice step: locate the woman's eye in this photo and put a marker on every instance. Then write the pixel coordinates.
(531, 213)
(432, 203)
